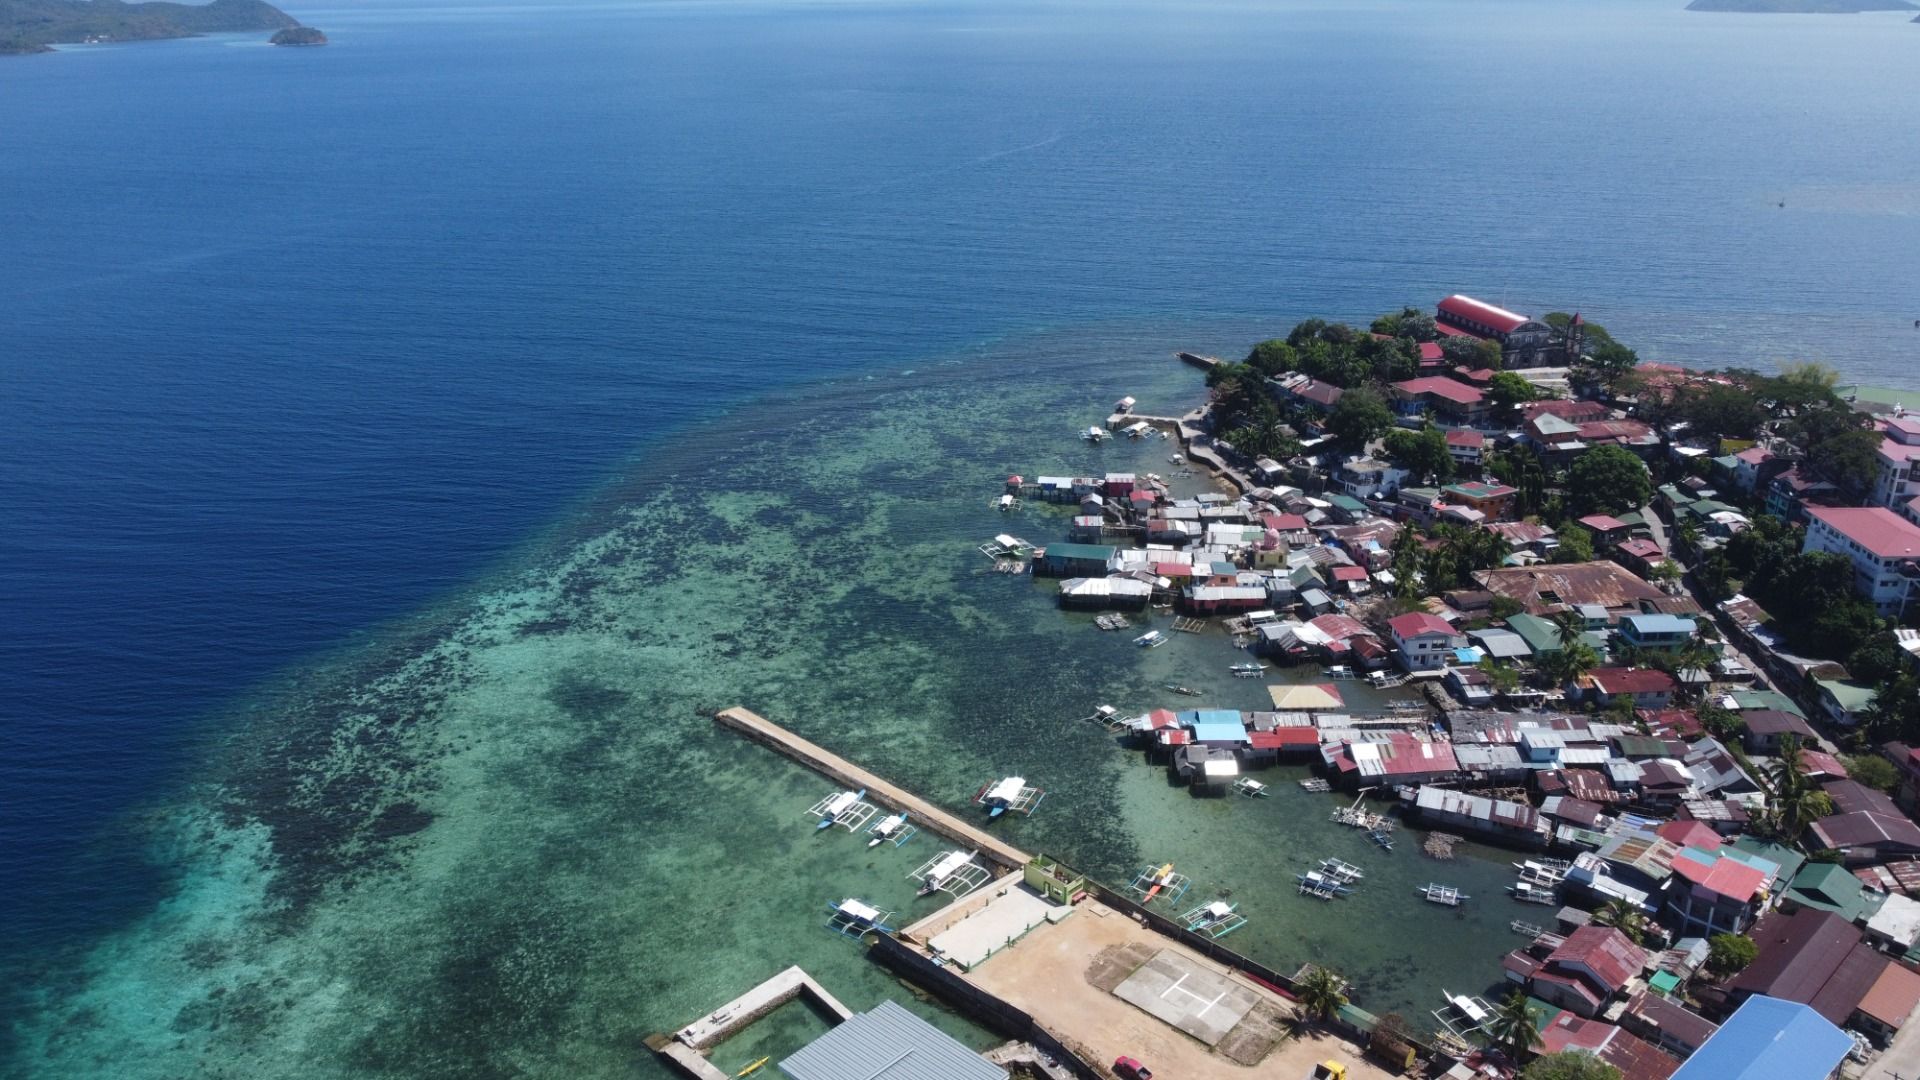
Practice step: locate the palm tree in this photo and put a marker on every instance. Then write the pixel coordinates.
(1623, 917)
(1514, 1026)
(1321, 992)
(1569, 625)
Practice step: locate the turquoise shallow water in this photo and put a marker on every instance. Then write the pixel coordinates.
(503, 839)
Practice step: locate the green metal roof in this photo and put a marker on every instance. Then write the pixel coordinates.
(1664, 982)
(1348, 503)
(1787, 859)
(1745, 700)
(1851, 696)
(1831, 887)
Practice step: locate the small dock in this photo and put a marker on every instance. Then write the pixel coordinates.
(687, 1048)
(846, 773)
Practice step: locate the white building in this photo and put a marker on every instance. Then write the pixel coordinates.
(1898, 480)
(1425, 642)
(1883, 546)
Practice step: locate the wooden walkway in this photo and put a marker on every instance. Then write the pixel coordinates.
(848, 775)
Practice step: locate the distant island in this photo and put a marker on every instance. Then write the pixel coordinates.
(298, 35)
(33, 26)
(1803, 7)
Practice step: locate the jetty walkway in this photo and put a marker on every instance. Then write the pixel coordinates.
(892, 796)
(688, 1046)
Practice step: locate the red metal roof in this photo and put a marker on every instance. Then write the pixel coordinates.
(1726, 877)
(1466, 307)
(1280, 738)
(1609, 954)
(1631, 680)
(1875, 528)
(1284, 522)
(1431, 353)
(1454, 331)
(1602, 522)
(1466, 438)
(1690, 834)
(1415, 623)
(1640, 549)
(1441, 387)
(1349, 573)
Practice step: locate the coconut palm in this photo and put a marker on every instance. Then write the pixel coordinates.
(1321, 992)
(1514, 1026)
(1624, 917)
(1569, 625)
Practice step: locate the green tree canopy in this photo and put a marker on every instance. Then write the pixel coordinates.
(1412, 324)
(1514, 1026)
(1273, 357)
(1321, 993)
(1607, 480)
(1358, 418)
(1569, 1065)
(1850, 459)
(1874, 771)
(1508, 389)
(1576, 545)
(1423, 453)
(1607, 362)
(1730, 953)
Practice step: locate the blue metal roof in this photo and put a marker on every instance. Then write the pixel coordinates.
(1769, 1039)
(888, 1043)
(1661, 624)
(1234, 732)
(1214, 716)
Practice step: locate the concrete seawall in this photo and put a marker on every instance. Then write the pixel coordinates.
(924, 814)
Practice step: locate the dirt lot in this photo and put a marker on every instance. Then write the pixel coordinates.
(1064, 976)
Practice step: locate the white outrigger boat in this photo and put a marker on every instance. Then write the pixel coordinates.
(1444, 895)
(1152, 639)
(1247, 671)
(1343, 872)
(1251, 788)
(888, 829)
(1216, 919)
(837, 806)
(944, 871)
(1323, 886)
(1011, 793)
(852, 918)
(1528, 893)
(1095, 434)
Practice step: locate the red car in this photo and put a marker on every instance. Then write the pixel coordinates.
(1127, 1068)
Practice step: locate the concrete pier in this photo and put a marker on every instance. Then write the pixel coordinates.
(845, 773)
(687, 1048)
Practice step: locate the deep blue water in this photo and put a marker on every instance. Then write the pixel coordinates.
(298, 340)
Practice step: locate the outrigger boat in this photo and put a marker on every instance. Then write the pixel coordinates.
(838, 805)
(1151, 639)
(1250, 787)
(1095, 434)
(1343, 872)
(1324, 886)
(1445, 895)
(886, 830)
(1001, 795)
(1186, 690)
(1212, 915)
(1382, 837)
(753, 1068)
(943, 870)
(1248, 671)
(852, 917)
(1159, 881)
(1528, 893)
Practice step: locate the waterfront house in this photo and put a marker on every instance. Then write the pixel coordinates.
(1111, 592)
(1647, 688)
(1073, 560)
(1223, 599)
(1423, 642)
(1883, 547)
(1471, 685)
(1587, 970)
(1305, 391)
(1524, 342)
(1770, 1039)
(1515, 823)
(1657, 633)
(1390, 758)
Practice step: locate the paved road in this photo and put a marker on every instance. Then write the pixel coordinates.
(1762, 678)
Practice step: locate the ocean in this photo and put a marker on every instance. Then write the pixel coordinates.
(407, 438)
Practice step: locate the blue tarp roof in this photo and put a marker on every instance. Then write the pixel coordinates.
(1769, 1039)
(1469, 655)
(1234, 732)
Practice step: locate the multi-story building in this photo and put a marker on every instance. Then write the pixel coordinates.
(1883, 547)
(1524, 341)
(1897, 481)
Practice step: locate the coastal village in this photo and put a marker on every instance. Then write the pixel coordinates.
(1646, 628)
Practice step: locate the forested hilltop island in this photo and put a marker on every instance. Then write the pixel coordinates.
(1803, 7)
(31, 26)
